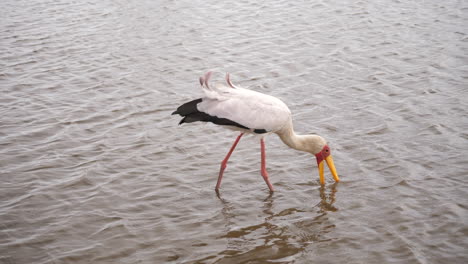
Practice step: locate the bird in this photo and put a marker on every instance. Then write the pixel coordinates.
(251, 112)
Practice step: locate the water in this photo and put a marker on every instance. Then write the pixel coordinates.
(94, 169)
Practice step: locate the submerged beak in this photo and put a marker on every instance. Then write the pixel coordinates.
(325, 155)
(332, 168)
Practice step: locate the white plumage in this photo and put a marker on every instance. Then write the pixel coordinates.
(246, 107)
(252, 112)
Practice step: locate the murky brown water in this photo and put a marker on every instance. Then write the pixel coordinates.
(94, 169)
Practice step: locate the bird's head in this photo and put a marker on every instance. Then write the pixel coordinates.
(318, 146)
(325, 154)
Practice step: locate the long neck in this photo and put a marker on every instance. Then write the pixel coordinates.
(290, 138)
(308, 143)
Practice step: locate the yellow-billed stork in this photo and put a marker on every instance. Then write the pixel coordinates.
(252, 112)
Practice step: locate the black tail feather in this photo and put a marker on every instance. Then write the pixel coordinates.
(187, 108)
(191, 114)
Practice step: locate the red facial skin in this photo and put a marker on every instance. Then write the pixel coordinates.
(323, 154)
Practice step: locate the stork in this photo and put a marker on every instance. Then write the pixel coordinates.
(252, 112)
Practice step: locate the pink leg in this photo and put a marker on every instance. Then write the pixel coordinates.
(224, 162)
(263, 168)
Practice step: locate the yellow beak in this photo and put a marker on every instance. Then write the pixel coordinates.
(332, 168)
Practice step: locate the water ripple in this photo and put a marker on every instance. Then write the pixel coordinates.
(94, 168)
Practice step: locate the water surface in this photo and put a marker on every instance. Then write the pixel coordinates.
(94, 169)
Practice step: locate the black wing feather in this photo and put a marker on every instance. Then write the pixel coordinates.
(191, 114)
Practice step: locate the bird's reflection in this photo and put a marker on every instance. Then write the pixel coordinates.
(226, 210)
(327, 200)
(282, 233)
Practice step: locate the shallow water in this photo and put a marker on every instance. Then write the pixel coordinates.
(94, 169)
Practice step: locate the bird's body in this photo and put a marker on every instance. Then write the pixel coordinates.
(250, 112)
(253, 111)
